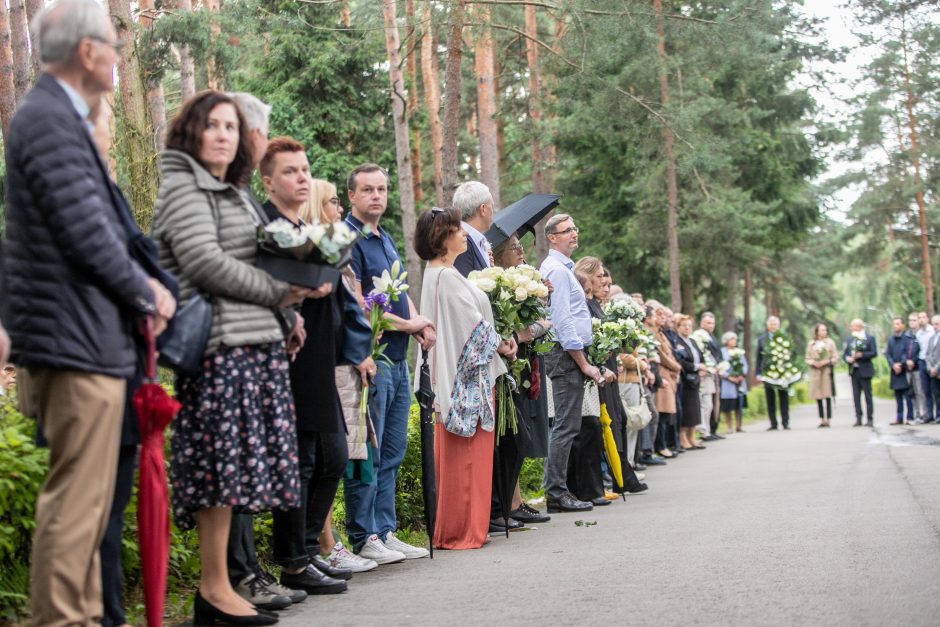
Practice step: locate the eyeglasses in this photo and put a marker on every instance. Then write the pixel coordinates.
(117, 45)
(570, 229)
(516, 248)
(333, 201)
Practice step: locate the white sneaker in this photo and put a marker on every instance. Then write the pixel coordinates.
(341, 557)
(410, 552)
(374, 550)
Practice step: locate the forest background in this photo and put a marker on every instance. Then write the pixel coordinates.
(685, 137)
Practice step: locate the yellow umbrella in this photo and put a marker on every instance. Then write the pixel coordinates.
(610, 448)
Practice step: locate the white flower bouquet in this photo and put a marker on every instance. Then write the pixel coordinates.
(780, 371)
(305, 254)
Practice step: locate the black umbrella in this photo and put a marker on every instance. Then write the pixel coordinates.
(520, 217)
(425, 397)
(505, 454)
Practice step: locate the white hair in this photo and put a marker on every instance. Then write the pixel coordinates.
(469, 196)
(727, 336)
(256, 112)
(61, 26)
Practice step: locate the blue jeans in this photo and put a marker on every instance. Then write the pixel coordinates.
(901, 397)
(370, 507)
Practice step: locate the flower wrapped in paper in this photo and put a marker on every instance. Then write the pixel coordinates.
(305, 254)
(779, 371)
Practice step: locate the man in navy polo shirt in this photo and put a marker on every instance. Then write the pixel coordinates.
(370, 507)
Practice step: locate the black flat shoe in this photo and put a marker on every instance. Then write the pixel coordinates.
(204, 613)
(497, 526)
(312, 581)
(567, 503)
(636, 488)
(771, 428)
(600, 501)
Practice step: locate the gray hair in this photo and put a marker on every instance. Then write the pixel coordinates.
(61, 26)
(725, 337)
(468, 198)
(554, 221)
(256, 112)
(707, 314)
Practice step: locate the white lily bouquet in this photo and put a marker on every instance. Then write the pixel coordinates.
(306, 254)
(386, 289)
(780, 371)
(701, 337)
(517, 296)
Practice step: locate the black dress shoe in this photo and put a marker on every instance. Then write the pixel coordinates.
(639, 467)
(653, 461)
(600, 501)
(204, 613)
(718, 437)
(773, 428)
(786, 427)
(312, 581)
(635, 487)
(567, 503)
(321, 564)
(858, 423)
(528, 514)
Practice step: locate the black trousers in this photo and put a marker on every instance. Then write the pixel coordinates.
(772, 394)
(507, 464)
(862, 385)
(585, 480)
(828, 404)
(111, 542)
(322, 460)
(242, 556)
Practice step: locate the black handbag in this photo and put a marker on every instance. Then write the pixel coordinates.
(182, 351)
(184, 342)
(692, 378)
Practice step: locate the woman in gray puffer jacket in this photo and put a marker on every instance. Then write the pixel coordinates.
(234, 442)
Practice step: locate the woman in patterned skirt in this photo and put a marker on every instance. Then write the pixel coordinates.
(234, 442)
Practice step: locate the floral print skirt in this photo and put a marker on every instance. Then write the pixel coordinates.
(234, 442)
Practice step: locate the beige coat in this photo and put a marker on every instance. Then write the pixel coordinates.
(669, 370)
(820, 379)
(215, 258)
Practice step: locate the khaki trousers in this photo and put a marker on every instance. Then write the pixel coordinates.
(80, 415)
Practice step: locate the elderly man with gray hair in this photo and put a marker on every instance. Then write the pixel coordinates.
(566, 365)
(74, 292)
(475, 203)
(860, 349)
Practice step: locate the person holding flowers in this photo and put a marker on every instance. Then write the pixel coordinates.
(860, 349)
(775, 370)
(733, 371)
(464, 366)
(821, 357)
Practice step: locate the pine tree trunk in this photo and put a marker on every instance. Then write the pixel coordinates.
(187, 66)
(748, 348)
(155, 100)
(730, 304)
(688, 295)
(486, 105)
(19, 41)
(7, 85)
(451, 122)
(412, 78)
(213, 71)
(672, 190)
(135, 131)
(919, 192)
(432, 98)
(32, 8)
(402, 147)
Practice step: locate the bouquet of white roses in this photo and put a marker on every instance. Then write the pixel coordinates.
(517, 296)
(780, 371)
(305, 254)
(859, 341)
(607, 337)
(701, 338)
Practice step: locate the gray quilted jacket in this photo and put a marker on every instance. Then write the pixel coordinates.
(215, 258)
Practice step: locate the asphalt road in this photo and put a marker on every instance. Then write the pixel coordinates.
(810, 526)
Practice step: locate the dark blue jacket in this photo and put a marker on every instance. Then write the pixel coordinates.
(901, 348)
(863, 366)
(72, 290)
(469, 260)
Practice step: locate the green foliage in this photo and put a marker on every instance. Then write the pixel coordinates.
(22, 470)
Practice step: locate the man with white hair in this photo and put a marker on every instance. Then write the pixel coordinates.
(859, 350)
(475, 203)
(74, 294)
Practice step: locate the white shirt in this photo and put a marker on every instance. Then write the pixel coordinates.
(479, 240)
(923, 340)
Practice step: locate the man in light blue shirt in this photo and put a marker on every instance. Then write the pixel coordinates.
(925, 400)
(566, 364)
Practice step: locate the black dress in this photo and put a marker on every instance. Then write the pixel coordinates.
(532, 438)
(691, 415)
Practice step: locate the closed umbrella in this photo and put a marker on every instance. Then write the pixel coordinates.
(425, 397)
(610, 449)
(155, 409)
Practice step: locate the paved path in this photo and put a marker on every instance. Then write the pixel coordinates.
(801, 527)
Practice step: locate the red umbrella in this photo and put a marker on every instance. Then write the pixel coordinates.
(155, 409)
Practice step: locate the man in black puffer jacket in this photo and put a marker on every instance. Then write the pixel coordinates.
(72, 295)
